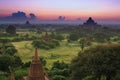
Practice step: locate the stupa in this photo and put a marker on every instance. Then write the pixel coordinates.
(47, 37)
(27, 23)
(90, 23)
(36, 69)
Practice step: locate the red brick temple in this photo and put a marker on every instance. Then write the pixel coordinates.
(36, 69)
(90, 23)
(47, 37)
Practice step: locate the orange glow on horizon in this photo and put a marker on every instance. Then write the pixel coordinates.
(70, 15)
(72, 10)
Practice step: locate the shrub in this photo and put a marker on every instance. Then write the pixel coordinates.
(26, 65)
(73, 37)
(19, 73)
(60, 70)
(59, 37)
(45, 45)
(58, 77)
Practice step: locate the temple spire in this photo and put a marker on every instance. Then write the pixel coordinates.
(36, 55)
(36, 69)
(46, 33)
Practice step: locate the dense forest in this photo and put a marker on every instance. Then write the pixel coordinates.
(67, 52)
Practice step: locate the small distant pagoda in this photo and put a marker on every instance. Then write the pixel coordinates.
(27, 23)
(46, 37)
(90, 23)
(36, 69)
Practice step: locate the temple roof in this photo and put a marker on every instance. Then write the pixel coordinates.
(90, 21)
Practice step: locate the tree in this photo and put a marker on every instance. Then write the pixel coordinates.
(74, 37)
(101, 37)
(82, 43)
(45, 45)
(8, 57)
(58, 77)
(52, 35)
(11, 29)
(59, 37)
(39, 30)
(60, 70)
(36, 43)
(10, 50)
(17, 61)
(44, 62)
(98, 61)
(5, 62)
(26, 65)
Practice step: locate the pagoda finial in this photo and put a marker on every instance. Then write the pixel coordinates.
(36, 55)
(46, 33)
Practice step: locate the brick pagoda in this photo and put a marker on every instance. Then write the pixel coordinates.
(36, 69)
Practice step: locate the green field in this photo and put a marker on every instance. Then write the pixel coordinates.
(62, 53)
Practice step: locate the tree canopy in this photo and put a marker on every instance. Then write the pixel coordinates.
(59, 71)
(98, 61)
(8, 57)
(74, 37)
(11, 29)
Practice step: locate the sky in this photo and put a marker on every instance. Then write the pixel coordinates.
(71, 9)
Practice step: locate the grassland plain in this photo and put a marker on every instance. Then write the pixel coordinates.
(62, 53)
